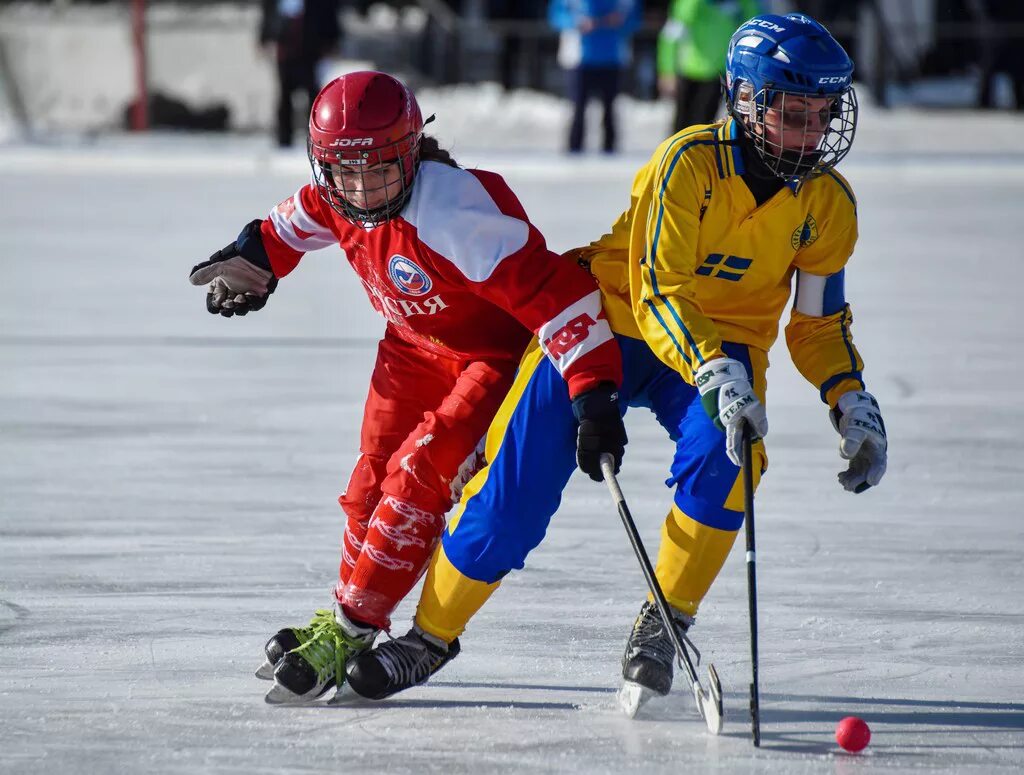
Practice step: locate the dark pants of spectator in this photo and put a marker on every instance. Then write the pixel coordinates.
(510, 54)
(293, 75)
(696, 102)
(587, 82)
(1004, 59)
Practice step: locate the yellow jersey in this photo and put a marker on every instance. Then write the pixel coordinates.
(695, 261)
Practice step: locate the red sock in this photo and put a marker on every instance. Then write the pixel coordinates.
(399, 542)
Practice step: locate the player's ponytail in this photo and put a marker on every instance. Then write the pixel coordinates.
(431, 150)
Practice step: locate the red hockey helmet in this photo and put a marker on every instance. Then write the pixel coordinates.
(364, 143)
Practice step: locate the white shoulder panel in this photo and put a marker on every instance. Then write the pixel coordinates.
(456, 216)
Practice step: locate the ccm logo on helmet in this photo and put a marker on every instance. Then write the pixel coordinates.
(834, 79)
(348, 142)
(765, 24)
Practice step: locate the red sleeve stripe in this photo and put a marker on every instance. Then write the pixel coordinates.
(575, 331)
(603, 364)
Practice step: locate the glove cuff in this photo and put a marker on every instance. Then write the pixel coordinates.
(249, 245)
(717, 372)
(849, 401)
(601, 401)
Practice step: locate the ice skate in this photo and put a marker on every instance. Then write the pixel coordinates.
(647, 664)
(399, 664)
(310, 670)
(284, 641)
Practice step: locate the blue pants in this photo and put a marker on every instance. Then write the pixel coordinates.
(531, 453)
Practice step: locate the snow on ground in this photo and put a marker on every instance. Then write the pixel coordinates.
(167, 486)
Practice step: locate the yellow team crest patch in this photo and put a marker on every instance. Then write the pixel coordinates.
(805, 234)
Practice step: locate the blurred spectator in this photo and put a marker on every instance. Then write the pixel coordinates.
(299, 34)
(594, 48)
(691, 55)
(999, 52)
(510, 55)
(841, 17)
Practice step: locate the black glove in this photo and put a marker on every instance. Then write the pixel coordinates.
(239, 275)
(601, 429)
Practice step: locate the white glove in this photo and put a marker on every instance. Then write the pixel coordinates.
(729, 401)
(859, 421)
(237, 286)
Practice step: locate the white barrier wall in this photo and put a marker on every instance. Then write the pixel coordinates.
(74, 67)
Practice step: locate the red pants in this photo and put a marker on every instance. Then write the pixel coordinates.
(421, 441)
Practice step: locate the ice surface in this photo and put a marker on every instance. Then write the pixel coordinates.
(167, 486)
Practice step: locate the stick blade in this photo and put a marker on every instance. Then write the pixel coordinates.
(710, 705)
(716, 689)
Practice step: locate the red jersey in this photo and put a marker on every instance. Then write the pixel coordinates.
(461, 272)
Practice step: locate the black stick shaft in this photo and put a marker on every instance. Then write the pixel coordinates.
(645, 564)
(748, 520)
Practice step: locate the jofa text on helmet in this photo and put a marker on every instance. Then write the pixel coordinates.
(834, 79)
(349, 142)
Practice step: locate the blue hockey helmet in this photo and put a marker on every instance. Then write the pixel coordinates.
(778, 69)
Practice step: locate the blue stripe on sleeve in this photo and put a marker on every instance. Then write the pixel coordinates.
(668, 149)
(664, 185)
(834, 297)
(844, 187)
(834, 380)
(657, 236)
(718, 161)
(685, 330)
(846, 340)
(675, 315)
(682, 352)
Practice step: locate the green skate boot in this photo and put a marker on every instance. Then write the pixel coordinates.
(287, 639)
(311, 669)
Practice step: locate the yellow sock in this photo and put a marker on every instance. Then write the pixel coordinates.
(689, 559)
(692, 554)
(449, 599)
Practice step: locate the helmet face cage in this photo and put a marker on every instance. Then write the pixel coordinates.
(791, 119)
(344, 176)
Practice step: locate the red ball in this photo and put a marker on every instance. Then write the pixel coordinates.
(853, 734)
